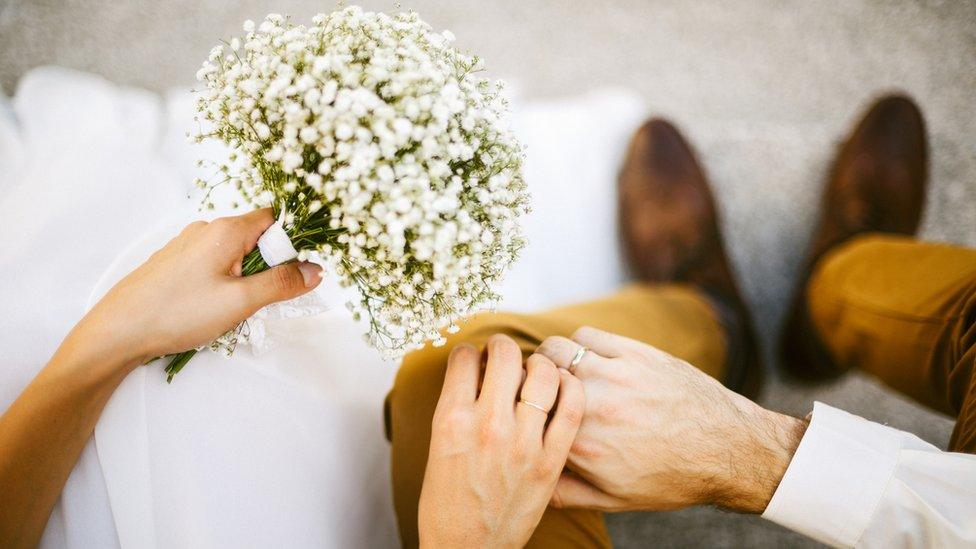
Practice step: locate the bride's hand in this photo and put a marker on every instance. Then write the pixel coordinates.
(185, 295)
(494, 462)
(190, 291)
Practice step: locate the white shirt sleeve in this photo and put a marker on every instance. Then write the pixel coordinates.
(854, 483)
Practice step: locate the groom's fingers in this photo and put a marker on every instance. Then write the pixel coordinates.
(603, 343)
(280, 283)
(561, 351)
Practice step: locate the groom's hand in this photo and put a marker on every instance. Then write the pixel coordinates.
(190, 291)
(494, 460)
(660, 434)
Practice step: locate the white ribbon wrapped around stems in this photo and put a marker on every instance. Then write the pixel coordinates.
(276, 248)
(275, 245)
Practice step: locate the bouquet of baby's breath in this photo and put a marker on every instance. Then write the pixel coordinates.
(386, 157)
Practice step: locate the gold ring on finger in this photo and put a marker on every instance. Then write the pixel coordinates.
(534, 405)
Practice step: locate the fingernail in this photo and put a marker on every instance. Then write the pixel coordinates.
(311, 273)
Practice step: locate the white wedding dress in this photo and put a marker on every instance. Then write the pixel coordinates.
(283, 446)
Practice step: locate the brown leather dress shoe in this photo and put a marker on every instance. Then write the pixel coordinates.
(877, 185)
(670, 233)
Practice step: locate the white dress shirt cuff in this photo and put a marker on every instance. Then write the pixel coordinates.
(837, 477)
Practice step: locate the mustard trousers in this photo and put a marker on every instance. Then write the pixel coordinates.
(900, 309)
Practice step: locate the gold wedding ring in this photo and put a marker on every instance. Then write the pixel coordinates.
(534, 405)
(577, 359)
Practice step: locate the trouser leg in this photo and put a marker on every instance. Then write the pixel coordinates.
(904, 311)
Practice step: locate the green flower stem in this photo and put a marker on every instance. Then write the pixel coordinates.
(177, 363)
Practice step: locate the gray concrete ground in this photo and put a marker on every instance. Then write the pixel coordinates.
(765, 90)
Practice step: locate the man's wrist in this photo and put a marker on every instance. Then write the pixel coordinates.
(766, 444)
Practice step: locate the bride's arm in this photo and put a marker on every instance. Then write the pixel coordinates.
(186, 294)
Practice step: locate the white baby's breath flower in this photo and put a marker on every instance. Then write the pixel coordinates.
(389, 153)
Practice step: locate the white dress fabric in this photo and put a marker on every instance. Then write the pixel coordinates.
(283, 447)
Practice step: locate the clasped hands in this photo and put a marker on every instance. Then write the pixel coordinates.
(632, 428)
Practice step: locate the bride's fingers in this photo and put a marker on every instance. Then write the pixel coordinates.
(461, 377)
(537, 398)
(280, 283)
(561, 351)
(253, 225)
(503, 374)
(570, 406)
(235, 236)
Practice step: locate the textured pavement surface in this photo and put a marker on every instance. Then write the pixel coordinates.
(765, 90)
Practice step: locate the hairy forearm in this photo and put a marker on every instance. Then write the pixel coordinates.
(757, 464)
(45, 429)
